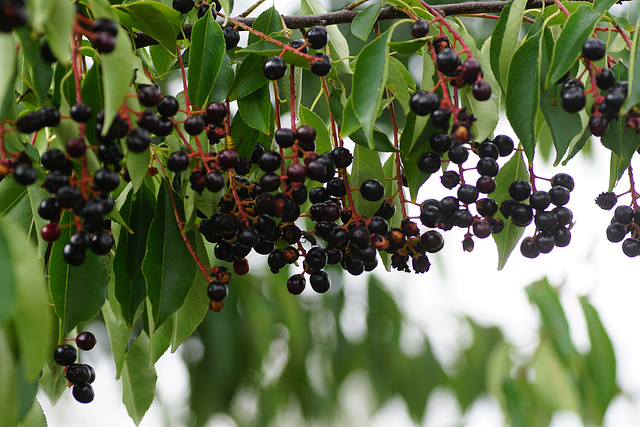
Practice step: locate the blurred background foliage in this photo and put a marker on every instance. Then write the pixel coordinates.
(269, 355)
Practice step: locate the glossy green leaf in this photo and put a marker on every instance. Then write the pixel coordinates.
(268, 22)
(633, 93)
(138, 166)
(338, 45)
(554, 321)
(138, 379)
(227, 6)
(603, 6)
(601, 361)
(8, 283)
(157, 20)
(366, 165)
(504, 39)
(117, 75)
(9, 54)
(35, 417)
(523, 90)
(400, 82)
(617, 167)
(267, 49)
(565, 127)
(323, 139)
(256, 110)
(369, 80)
(167, 266)
(249, 77)
(160, 338)
(205, 58)
(223, 82)
(77, 292)
(408, 47)
(30, 309)
(162, 58)
(130, 284)
(413, 143)
(621, 142)
(245, 137)
(568, 46)
(508, 239)
(8, 376)
(381, 140)
(196, 304)
(59, 27)
(350, 122)
(363, 22)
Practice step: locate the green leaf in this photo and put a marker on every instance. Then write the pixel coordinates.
(338, 45)
(205, 58)
(167, 266)
(9, 54)
(621, 142)
(381, 140)
(77, 293)
(601, 361)
(223, 81)
(196, 304)
(369, 81)
(59, 27)
(553, 381)
(603, 6)
(8, 283)
(117, 75)
(504, 39)
(566, 128)
(157, 20)
(162, 58)
(507, 240)
(617, 167)
(245, 137)
(523, 90)
(363, 22)
(138, 379)
(8, 378)
(568, 46)
(323, 139)
(366, 165)
(130, 284)
(227, 6)
(350, 122)
(256, 110)
(554, 322)
(249, 77)
(35, 417)
(408, 47)
(397, 83)
(268, 22)
(138, 166)
(30, 309)
(633, 96)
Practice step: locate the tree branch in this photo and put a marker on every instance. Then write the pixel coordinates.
(347, 16)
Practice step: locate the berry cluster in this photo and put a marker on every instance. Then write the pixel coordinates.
(553, 220)
(605, 108)
(80, 376)
(275, 67)
(625, 221)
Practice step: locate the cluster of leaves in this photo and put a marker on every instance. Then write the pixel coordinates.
(149, 291)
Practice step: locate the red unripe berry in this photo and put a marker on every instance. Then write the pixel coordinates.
(50, 232)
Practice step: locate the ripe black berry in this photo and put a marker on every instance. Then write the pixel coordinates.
(178, 161)
(285, 137)
(429, 163)
(106, 180)
(440, 118)
(606, 201)
(540, 200)
(440, 142)
(25, 174)
(297, 44)
(544, 241)
(168, 106)
(80, 113)
(458, 154)
(342, 157)
(482, 229)
(481, 90)
(101, 243)
(450, 179)
(270, 161)
(521, 215)
(104, 42)
(520, 190)
(594, 49)
(183, 6)
(83, 393)
(317, 37)
(231, 37)
(306, 134)
(372, 190)
(605, 79)
(217, 291)
(78, 373)
(467, 193)
(149, 95)
(631, 247)
(320, 281)
(487, 166)
(564, 180)
(559, 195)
(423, 103)
(86, 341)
(419, 28)
(296, 284)
(322, 65)
(447, 60)
(65, 355)
(487, 207)
(528, 248)
(623, 214)
(274, 68)
(470, 70)
(138, 140)
(316, 258)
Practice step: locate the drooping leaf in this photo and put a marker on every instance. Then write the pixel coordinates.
(408, 47)
(205, 58)
(566, 128)
(138, 379)
(223, 81)
(507, 240)
(162, 58)
(623, 143)
(380, 141)
(400, 82)
(138, 166)
(117, 75)
(58, 28)
(554, 321)
(77, 292)
(369, 81)
(9, 54)
(30, 308)
(35, 417)
(8, 376)
(633, 93)
(256, 110)
(504, 39)
(130, 284)
(246, 137)
(363, 23)
(167, 266)
(156, 20)
(249, 77)
(523, 90)
(568, 46)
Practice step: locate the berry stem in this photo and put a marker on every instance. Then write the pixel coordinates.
(325, 88)
(632, 188)
(236, 198)
(187, 103)
(444, 22)
(562, 7)
(292, 90)
(396, 143)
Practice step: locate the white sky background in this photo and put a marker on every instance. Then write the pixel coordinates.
(458, 284)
